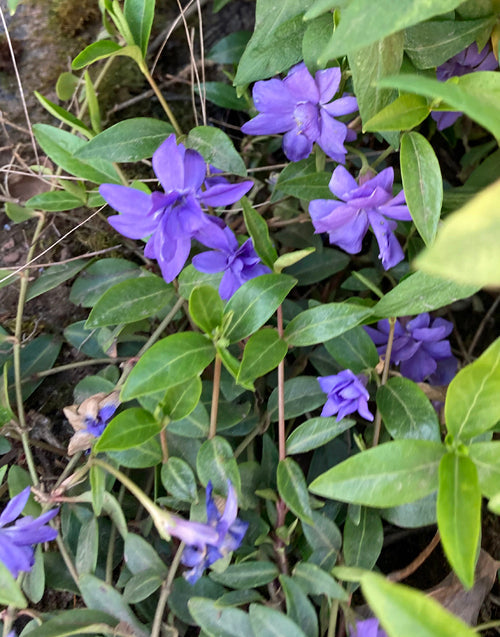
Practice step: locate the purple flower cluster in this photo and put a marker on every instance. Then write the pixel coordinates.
(208, 542)
(467, 61)
(17, 536)
(419, 347)
(301, 107)
(173, 218)
(370, 203)
(347, 393)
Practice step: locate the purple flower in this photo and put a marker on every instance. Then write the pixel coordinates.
(368, 628)
(208, 542)
(361, 206)
(239, 264)
(347, 393)
(90, 419)
(300, 106)
(18, 536)
(174, 217)
(419, 347)
(467, 61)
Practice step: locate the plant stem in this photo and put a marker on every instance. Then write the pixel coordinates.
(281, 392)
(385, 374)
(165, 592)
(215, 398)
(161, 99)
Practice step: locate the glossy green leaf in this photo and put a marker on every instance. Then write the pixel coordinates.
(475, 94)
(129, 429)
(421, 292)
(55, 201)
(406, 411)
(141, 586)
(388, 475)
(472, 404)
(368, 65)
(406, 112)
(169, 362)
(87, 547)
(407, 611)
(247, 574)
(422, 183)
(224, 95)
(140, 556)
(459, 514)
(229, 49)
(316, 266)
(364, 22)
(292, 488)
(206, 308)
(216, 148)
(315, 433)
(37, 355)
(325, 539)
(254, 303)
(432, 43)
(216, 462)
(263, 352)
(302, 394)
(104, 49)
(218, 621)
(321, 323)
(180, 400)
(147, 454)
(129, 140)
(267, 622)
(258, 230)
(190, 278)
(64, 116)
(78, 621)
(363, 541)
(139, 15)
(414, 514)
(54, 276)
(60, 146)
(99, 277)
(193, 426)
(178, 479)
(315, 581)
(354, 350)
(298, 607)
(466, 246)
(300, 179)
(317, 34)
(485, 456)
(130, 301)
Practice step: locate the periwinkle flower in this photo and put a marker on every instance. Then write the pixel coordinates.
(89, 419)
(419, 347)
(368, 204)
(300, 106)
(17, 536)
(368, 628)
(208, 542)
(347, 393)
(174, 217)
(467, 61)
(239, 264)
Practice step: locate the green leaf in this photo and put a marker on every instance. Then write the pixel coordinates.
(300, 179)
(63, 115)
(298, 607)
(99, 277)
(325, 540)
(216, 462)
(406, 611)
(218, 621)
(391, 474)
(97, 478)
(129, 140)
(354, 350)
(321, 323)
(421, 292)
(414, 514)
(191, 278)
(302, 394)
(10, 593)
(406, 112)
(466, 246)
(36, 356)
(206, 308)
(54, 276)
(363, 541)
(130, 301)
(267, 622)
(139, 15)
(368, 65)
(254, 302)
(66, 85)
(247, 575)
(472, 404)
(87, 547)
(178, 479)
(263, 352)
(169, 362)
(228, 50)
(475, 94)
(129, 429)
(60, 146)
(258, 230)
(79, 621)
(217, 149)
(406, 411)
(289, 259)
(459, 514)
(316, 37)
(55, 201)
(17, 214)
(93, 103)
(315, 433)
(432, 43)
(141, 586)
(292, 488)
(180, 400)
(147, 454)
(315, 581)
(104, 49)
(314, 267)
(485, 456)
(422, 183)
(140, 556)
(223, 95)
(276, 43)
(364, 22)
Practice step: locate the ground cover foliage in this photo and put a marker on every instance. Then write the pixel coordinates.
(294, 355)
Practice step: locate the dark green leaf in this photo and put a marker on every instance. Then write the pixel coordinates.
(292, 488)
(140, 556)
(298, 607)
(317, 266)
(247, 574)
(147, 454)
(141, 586)
(129, 429)
(229, 49)
(363, 541)
(99, 277)
(354, 350)
(37, 355)
(302, 394)
(216, 148)
(267, 622)
(76, 622)
(300, 179)
(315, 433)
(216, 462)
(88, 545)
(263, 352)
(218, 621)
(315, 581)
(54, 276)
(224, 95)
(178, 479)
